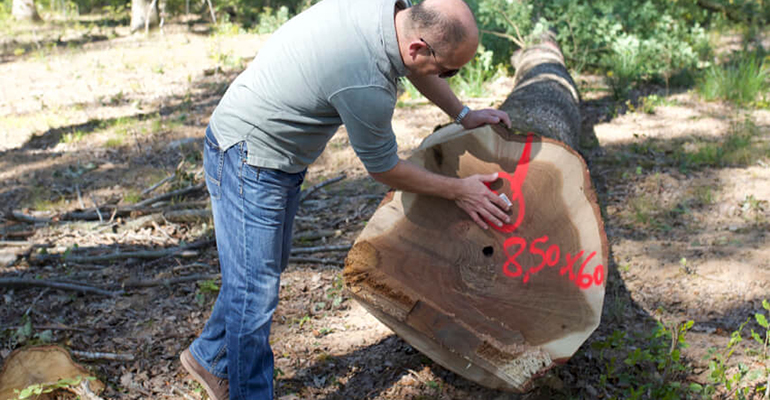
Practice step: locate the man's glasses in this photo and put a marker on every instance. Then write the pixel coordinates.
(447, 73)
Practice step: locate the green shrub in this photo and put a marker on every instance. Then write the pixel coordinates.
(270, 21)
(470, 81)
(624, 66)
(5, 10)
(635, 41)
(408, 93)
(742, 81)
(649, 366)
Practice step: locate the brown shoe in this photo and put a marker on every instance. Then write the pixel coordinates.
(217, 388)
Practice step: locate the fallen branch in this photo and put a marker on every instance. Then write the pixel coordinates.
(46, 328)
(159, 184)
(20, 216)
(320, 249)
(96, 207)
(306, 193)
(89, 355)
(23, 283)
(170, 281)
(97, 213)
(80, 197)
(187, 215)
(311, 260)
(324, 233)
(165, 196)
(19, 243)
(183, 251)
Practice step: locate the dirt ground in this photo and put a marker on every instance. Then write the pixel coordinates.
(95, 116)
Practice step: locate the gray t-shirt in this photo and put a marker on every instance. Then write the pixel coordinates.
(337, 62)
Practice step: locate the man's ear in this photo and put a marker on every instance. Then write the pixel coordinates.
(415, 47)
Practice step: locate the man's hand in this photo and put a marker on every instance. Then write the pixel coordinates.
(475, 198)
(489, 116)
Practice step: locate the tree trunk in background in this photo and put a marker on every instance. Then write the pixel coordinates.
(139, 14)
(498, 306)
(24, 10)
(545, 99)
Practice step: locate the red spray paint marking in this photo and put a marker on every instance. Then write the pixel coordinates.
(513, 269)
(516, 181)
(550, 257)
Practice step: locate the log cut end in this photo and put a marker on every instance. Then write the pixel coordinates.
(498, 306)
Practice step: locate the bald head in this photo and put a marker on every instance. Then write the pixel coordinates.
(447, 23)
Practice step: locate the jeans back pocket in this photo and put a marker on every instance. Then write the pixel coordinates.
(213, 161)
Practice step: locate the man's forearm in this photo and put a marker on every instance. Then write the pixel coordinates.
(410, 177)
(437, 90)
(469, 193)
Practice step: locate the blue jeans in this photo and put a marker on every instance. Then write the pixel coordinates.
(253, 211)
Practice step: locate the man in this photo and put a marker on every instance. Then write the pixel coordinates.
(338, 62)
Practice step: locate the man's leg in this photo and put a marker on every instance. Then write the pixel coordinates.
(209, 350)
(267, 206)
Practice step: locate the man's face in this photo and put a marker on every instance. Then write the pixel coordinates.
(443, 63)
(443, 72)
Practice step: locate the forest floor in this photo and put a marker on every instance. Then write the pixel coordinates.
(91, 115)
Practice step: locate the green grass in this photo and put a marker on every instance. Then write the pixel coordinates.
(644, 209)
(409, 94)
(745, 144)
(623, 70)
(472, 79)
(43, 199)
(739, 148)
(704, 195)
(114, 142)
(744, 81)
(73, 137)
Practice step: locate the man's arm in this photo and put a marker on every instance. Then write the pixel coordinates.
(437, 90)
(469, 193)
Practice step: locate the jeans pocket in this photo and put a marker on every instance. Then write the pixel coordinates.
(213, 161)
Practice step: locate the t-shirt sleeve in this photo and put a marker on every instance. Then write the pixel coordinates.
(367, 113)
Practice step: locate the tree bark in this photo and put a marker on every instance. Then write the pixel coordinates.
(545, 99)
(141, 10)
(499, 306)
(25, 10)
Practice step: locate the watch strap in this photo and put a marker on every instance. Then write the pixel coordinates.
(462, 114)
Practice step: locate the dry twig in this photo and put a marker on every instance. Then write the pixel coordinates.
(22, 283)
(320, 249)
(165, 196)
(312, 260)
(306, 193)
(92, 355)
(159, 184)
(324, 233)
(149, 254)
(170, 281)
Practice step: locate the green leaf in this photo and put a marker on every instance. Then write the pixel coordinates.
(45, 336)
(696, 387)
(766, 305)
(761, 320)
(757, 337)
(689, 324)
(754, 374)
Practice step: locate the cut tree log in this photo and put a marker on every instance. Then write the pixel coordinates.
(37, 371)
(499, 306)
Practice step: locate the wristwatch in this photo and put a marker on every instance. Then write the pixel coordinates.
(462, 114)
